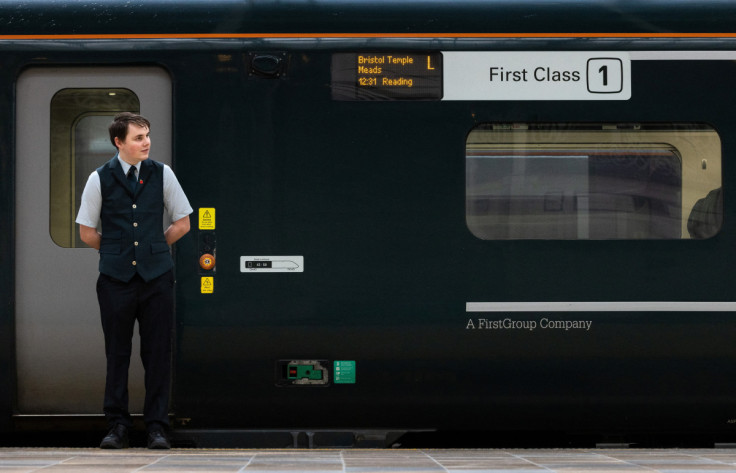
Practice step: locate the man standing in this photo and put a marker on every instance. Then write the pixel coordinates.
(128, 195)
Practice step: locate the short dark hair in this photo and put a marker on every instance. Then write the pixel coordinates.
(119, 126)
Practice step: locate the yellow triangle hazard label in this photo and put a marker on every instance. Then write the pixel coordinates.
(206, 218)
(208, 284)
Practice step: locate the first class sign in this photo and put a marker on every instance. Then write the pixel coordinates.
(521, 75)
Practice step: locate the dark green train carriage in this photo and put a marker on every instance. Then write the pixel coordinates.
(478, 216)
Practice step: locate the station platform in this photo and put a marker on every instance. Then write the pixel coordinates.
(27, 460)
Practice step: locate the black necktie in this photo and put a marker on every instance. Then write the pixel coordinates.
(131, 178)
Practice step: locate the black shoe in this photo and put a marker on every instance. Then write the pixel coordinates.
(157, 440)
(116, 438)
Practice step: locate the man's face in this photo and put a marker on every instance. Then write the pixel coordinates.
(136, 146)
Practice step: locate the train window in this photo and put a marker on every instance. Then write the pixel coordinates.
(593, 181)
(79, 144)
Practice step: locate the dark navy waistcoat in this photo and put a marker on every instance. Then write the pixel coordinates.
(132, 223)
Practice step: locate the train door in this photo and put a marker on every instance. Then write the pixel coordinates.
(62, 116)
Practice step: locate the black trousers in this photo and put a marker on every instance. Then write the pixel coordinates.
(152, 304)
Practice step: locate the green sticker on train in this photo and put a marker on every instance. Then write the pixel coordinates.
(344, 372)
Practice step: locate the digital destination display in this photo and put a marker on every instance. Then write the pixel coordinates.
(387, 76)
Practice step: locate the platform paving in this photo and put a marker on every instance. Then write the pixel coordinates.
(20, 460)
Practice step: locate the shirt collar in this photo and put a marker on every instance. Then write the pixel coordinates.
(127, 166)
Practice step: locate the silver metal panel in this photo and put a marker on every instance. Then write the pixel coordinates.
(656, 306)
(60, 349)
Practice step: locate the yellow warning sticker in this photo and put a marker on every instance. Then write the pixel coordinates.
(208, 284)
(206, 218)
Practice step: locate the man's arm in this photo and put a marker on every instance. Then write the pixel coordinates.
(90, 236)
(176, 230)
(176, 204)
(88, 217)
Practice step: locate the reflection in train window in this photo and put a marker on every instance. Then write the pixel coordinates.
(80, 143)
(598, 182)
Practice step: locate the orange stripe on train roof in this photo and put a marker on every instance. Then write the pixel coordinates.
(359, 35)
